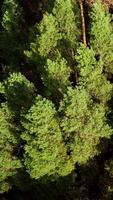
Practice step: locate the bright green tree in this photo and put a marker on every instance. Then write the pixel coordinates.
(91, 75)
(83, 123)
(56, 75)
(19, 92)
(45, 153)
(68, 17)
(101, 34)
(63, 32)
(61, 127)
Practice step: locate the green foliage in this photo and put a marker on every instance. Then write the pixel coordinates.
(48, 37)
(62, 33)
(68, 21)
(8, 162)
(56, 75)
(45, 154)
(12, 34)
(45, 43)
(83, 124)
(91, 75)
(11, 15)
(86, 61)
(56, 135)
(102, 34)
(19, 92)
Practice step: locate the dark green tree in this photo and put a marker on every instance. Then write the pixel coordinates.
(9, 163)
(12, 34)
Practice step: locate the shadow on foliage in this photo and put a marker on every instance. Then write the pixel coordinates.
(87, 182)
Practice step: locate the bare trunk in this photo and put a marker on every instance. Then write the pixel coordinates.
(83, 22)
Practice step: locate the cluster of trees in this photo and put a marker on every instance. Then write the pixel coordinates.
(56, 94)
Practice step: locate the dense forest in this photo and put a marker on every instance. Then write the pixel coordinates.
(56, 100)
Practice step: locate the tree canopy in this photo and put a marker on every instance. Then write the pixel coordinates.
(56, 99)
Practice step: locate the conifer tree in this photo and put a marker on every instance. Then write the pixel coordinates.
(63, 32)
(62, 123)
(55, 40)
(19, 92)
(83, 123)
(67, 15)
(56, 75)
(10, 15)
(91, 75)
(45, 153)
(9, 163)
(12, 39)
(101, 34)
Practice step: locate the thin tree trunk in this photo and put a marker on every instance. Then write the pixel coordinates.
(83, 22)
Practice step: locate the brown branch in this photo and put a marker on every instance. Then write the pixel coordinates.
(83, 22)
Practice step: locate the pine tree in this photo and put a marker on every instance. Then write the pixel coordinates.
(45, 153)
(54, 42)
(9, 163)
(67, 15)
(101, 34)
(12, 38)
(91, 75)
(19, 93)
(63, 32)
(10, 15)
(56, 75)
(58, 129)
(83, 123)
(45, 43)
